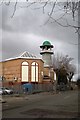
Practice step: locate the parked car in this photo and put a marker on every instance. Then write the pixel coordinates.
(6, 90)
(2, 91)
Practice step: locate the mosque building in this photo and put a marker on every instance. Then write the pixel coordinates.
(27, 68)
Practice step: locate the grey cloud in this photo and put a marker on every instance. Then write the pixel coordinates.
(26, 31)
(30, 21)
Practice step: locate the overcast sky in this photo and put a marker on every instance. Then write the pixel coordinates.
(27, 30)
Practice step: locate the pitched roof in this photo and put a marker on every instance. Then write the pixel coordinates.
(25, 55)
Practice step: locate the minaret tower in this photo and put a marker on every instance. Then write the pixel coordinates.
(46, 53)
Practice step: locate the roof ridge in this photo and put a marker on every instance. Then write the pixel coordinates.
(23, 53)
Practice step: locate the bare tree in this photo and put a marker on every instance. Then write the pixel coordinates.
(63, 67)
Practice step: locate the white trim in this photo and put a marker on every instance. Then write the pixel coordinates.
(21, 58)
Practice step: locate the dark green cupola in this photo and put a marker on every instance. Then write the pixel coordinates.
(46, 43)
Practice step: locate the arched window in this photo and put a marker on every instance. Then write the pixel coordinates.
(34, 72)
(25, 72)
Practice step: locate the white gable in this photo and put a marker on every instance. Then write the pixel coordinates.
(27, 54)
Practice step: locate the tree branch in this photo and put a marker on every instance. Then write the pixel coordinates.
(28, 5)
(68, 6)
(14, 9)
(44, 6)
(50, 14)
(68, 25)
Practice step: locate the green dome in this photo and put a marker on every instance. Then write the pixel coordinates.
(46, 43)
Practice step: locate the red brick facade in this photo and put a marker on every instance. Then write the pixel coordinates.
(13, 68)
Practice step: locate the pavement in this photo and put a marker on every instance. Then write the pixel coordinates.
(8, 101)
(63, 104)
(23, 97)
(2, 100)
(9, 98)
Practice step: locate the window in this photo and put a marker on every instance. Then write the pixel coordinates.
(25, 72)
(34, 72)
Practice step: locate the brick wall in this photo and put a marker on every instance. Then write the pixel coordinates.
(13, 68)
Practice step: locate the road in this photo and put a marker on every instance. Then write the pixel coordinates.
(43, 105)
